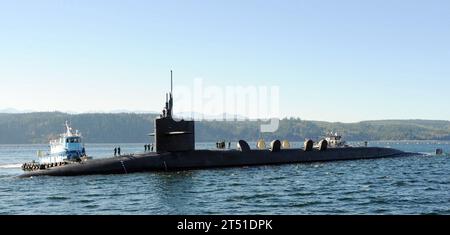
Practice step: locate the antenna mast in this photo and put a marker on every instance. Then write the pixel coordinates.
(169, 111)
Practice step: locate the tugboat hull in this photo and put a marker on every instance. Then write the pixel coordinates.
(201, 159)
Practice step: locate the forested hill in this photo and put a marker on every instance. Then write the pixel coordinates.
(134, 128)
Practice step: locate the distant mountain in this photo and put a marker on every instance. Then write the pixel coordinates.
(115, 111)
(186, 115)
(24, 128)
(13, 110)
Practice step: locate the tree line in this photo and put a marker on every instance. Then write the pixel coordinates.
(33, 128)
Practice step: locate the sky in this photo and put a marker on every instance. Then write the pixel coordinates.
(343, 61)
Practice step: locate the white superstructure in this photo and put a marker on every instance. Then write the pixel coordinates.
(68, 147)
(335, 141)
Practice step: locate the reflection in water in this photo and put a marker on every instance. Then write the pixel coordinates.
(174, 190)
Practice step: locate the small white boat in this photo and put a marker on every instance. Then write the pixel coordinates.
(68, 147)
(335, 141)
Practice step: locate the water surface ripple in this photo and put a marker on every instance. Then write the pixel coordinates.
(413, 185)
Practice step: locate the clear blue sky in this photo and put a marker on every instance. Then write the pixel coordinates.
(333, 60)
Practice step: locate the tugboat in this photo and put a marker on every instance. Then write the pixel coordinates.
(175, 150)
(68, 148)
(335, 141)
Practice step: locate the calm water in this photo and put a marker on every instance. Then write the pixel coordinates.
(413, 185)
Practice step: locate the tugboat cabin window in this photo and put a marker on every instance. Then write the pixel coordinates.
(73, 140)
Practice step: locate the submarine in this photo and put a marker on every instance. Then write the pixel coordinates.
(174, 142)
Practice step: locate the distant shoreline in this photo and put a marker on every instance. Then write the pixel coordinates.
(35, 128)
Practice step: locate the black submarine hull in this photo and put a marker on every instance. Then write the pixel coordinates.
(201, 159)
